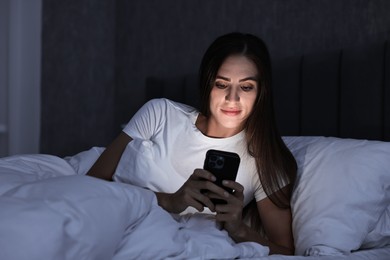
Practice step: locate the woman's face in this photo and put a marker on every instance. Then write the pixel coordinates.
(232, 96)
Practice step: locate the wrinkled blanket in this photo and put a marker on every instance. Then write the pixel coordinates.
(50, 210)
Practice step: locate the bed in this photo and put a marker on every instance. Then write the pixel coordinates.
(335, 125)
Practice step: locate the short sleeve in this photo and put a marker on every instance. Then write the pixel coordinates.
(147, 121)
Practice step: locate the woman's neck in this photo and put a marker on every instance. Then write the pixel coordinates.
(212, 129)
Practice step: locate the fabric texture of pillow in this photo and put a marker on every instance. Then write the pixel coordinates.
(83, 161)
(341, 194)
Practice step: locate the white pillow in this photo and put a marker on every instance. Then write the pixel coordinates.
(342, 192)
(84, 160)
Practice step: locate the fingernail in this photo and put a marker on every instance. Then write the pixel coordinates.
(226, 194)
(225, 182)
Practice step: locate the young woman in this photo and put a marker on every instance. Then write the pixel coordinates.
(164, 145)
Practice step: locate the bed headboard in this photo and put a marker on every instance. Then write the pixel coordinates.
(343, 93)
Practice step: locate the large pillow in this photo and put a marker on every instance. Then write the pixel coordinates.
(341, 195)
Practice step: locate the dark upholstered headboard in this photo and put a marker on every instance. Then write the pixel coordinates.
(342, 93)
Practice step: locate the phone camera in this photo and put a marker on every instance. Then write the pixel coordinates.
(216, 162)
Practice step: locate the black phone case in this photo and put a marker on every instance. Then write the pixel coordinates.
(224, 165)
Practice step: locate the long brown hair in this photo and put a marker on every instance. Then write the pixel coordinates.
(275, 164)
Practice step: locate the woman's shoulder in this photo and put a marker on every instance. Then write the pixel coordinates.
(164, 104)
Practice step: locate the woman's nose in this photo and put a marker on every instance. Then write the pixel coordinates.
(232, 95)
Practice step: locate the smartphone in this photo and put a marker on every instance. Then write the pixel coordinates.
(224, 166)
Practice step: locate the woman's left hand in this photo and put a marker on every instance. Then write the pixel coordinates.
(230, 214)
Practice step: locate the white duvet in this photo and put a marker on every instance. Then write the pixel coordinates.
(50, 210)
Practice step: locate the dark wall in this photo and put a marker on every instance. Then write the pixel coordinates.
(78, 75)
(97, 54)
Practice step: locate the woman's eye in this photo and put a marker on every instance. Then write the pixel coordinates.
(247, 88)
(220, 85)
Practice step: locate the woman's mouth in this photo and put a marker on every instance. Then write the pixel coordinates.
(232, 112)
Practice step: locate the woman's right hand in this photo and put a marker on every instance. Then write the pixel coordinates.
(192, 193)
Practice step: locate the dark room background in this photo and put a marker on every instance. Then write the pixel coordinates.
(97, 54)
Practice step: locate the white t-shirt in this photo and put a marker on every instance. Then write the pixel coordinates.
(167, 147)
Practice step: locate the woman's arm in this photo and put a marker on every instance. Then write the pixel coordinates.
(277, 226)
(106, 164)
(276, 222)
(188, 195)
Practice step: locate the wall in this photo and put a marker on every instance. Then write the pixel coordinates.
(97, 54)
(4, 7)
(20, 51)
(168, 38)
(78, 75)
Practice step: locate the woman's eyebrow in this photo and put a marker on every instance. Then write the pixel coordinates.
(223, 78)
(248, 78)
(244, 79)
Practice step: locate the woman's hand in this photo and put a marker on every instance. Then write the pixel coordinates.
(230, 214)
(194, 192)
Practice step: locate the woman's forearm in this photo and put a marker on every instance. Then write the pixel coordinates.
(165, 201)
(106, 164)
